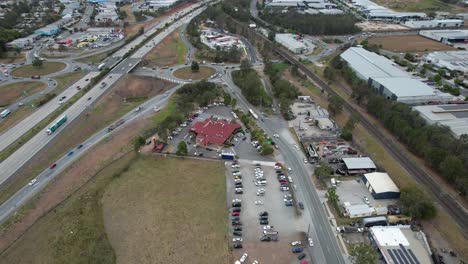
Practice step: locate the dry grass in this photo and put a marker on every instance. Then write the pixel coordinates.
(186, 73)
(13, 92)
(178, 214)
(105, 111)
(13, 59)
(130, 17)
(171, 51)
(47, 67)
(408, 43)
(15, 117)
(420, 5)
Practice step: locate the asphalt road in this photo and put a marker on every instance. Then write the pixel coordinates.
(327, 249)
(28, 191)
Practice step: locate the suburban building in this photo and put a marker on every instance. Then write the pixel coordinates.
(381, 186)
(155, 4)
(357, 210)
(359, 165)
(213, 131)
(49, 30)
(454, 116)
(400, 245)
(451, 60)
(436, 23)
(390, 81)
(447, 36)
(290, 42)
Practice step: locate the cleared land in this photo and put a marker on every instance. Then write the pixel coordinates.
(105, 111)
(408, 43)
(47, 67)
(13, 92)
(420, 5)
(186, 73)
(171, 51)
(182, 203)
(13, 59)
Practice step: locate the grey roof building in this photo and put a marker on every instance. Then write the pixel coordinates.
(454, 116)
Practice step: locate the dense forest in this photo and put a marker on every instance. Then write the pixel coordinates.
(435, 143)
(312, 24)
(252, 88)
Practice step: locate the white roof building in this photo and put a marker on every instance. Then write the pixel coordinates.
(453, 116)
(452, 60)
(446, 36)
(359, 163)
(290, 42)
(377, 12)
(381, 185)
(358, 210)
(400, 245)
(434, 23)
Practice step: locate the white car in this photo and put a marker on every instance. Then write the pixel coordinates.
(157, 109)
(255, 262)
(237, 201)
(32, 182)
(311, 243)
(276, 135)
(287, 196)
(289, 170)
(366, 200)
(277, 168)
(244, 257)
(237, 239)
(305, 160)
(290, 179)
(268, 227)
(258, 202)
(284, 188)
(296, 243)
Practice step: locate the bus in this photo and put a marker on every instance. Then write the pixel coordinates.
(374, 221)
(253, 114)
(101, 66)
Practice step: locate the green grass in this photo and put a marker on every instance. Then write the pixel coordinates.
(15, 117)
(186, 73)
(95, 59)
(181, 49)
(280, 66)
(11, 93)
(47, 67)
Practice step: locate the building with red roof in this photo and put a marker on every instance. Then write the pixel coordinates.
(213, 131)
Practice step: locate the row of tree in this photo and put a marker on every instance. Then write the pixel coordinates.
(433, 142)
(312, 24)
(249, 82)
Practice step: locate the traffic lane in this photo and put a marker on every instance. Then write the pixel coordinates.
(14, 133)
(48, 174)
(10, 165)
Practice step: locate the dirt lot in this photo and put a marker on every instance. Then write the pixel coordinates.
(420, 5)
(13, 92)
(46, 68)
(106, 110)
(171, 51)
(408, 43)
(378, 26)
(186, 73)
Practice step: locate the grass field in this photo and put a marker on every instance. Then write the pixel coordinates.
(95, 59)
(13, 59)
(171, 51)
(15, 117)
(186, 73)
(107, 110)
(13, 92)
(408, 43)
(420, 5)
(47, 67)
(180, 202)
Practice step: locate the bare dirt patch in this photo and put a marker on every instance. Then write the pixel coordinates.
(13, 92)
(408, 43)
(187, 73)
(171, 51)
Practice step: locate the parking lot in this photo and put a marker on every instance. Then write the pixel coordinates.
(255, 199)
(353, 192)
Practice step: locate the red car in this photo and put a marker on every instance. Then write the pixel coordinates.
(235, 214)
(35, 77)
(283, 183)
(53, 166)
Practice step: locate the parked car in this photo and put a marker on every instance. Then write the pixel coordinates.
(244, 257)
(32, 182)
(297, 250)
(35, 77)
(340, 172)
(265, 238)
(301, 205)
(296, 243)
(236, 223)
(264, 222)
(263, 214)
(301, 256)
(235, 218)
(311, 242)
(235, 214)
(263, 217)
(237, 233)
(236, 210)
(237, 228)
(237, 245)
(366, 200)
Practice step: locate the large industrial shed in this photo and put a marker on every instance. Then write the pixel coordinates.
(381, 186)
(447, 36)
(359, 165)
(290, 42)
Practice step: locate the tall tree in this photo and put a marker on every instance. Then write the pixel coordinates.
(195, 67)
(416, 203)
(37, 62)
(362, 253)
(182, 148)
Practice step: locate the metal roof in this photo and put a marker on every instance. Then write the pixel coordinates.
(454, 116)
(381, 182)
(370, 64)
(359, 163)
(406, 86)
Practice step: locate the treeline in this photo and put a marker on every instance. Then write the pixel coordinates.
(435, 143)
(283, 90)
(312, 24)
(252, 88)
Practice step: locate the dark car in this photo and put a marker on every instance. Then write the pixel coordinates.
(297, 250)
(89, 98)
(239, 192)
(351, 151)
(70, 153)
(340, 172)
(237, 233)
(264, 222)
(236, 210)
(87, 80)
(301, 256)
(79, 146)
(53, 166)
(265, 238)
(237, 245)
(263, 214)
(239, 186)
(236, 223)
(301, 205)
(263, 217)
(237, 228)
(236, 205)
(35, 77)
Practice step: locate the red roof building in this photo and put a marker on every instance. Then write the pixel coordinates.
(213, 131)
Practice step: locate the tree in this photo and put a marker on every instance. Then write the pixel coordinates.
(233, 103)
(266, 150)
(323, 171)
(227, 98)
(332, 196)
(335, 104)
(362, 253)
(37, 62)
(141, 30)
(271, 35)
(245, 65)
(195, 67)
(416, 203)
(182, 149)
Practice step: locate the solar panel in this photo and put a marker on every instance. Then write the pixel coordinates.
(403, 256)
(406, 254)
(414, 256)
(397, 256)
(392, 256)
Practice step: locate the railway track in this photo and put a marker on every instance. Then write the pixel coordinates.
(453, 208)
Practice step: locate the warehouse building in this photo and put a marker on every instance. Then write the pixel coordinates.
(400, 244)
(454, 116)
(451, 60)
(359, 165)
(299, 3)
(436, 23)
(390, 81)
(447, 36)
(374, 11)
(381, 186)
(290, 42)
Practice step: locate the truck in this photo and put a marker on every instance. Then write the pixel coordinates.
(253, 114)
(101, 66)
(56, 125)
(5, 112)
(228, 156)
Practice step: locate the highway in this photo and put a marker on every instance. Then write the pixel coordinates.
(327, 249)
(27, 192)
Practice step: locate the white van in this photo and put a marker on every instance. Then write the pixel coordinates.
(333, 182)
(4, 113)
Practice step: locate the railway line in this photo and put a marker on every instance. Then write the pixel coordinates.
(453, 208)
